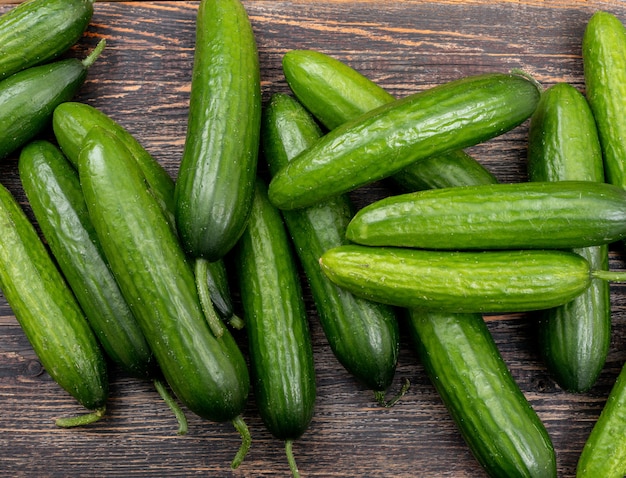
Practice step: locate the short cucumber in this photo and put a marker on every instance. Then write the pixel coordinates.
(215, 182)
(552, 215)
(207, 373)
(563, 144)
(449, 281)
(382, 142)
(335, 93)
(363, 335)
(281, 354)
(464, 364)
(604, 61)
(48, 312)
(37, 31)
(28, 98)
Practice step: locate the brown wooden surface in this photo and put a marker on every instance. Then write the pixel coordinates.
(142, 80)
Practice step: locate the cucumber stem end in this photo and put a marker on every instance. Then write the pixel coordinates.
(293, 466)
(171, 403)
(81, 420)
(246, 440)
(380, 395)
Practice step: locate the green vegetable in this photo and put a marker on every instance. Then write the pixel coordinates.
(215, 182)
(553, 215)
(37, 31)
(49, 314)
(363, 335)
(384, 141)
(207, 373)
(564, 145)
(281, 354)
(500, 426)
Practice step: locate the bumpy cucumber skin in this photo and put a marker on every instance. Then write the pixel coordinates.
(37, 31)
(47, 310)
(216, 178)
(493, 281)
(281, 354)
(384, 141)
(363, 335)
(564, 145)
(604, 62)
(335, 93)
(500, 426)
(53, 190)
(208, 374)
(534, 215)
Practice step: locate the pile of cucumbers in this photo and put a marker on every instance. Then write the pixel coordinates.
(134, 268)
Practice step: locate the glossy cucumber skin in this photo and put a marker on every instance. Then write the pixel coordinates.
(281, 354)
(335, 93)
(500, 426)
(533, 215)
(47, 310)
(53, 190)
(382, 142)
(604, 62)
(208, 374)
(216, 178)
(564, 145)
(37, 31)
(482, 281)
(363, 335)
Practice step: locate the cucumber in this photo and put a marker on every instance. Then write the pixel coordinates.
(604, 62)
(37, 31)
(49, 314)
(563, 144)
(29, 97)
(499, 425)
(471, 281)
(335, 93)
(281, 354)
(384, 141)
(604, 453)
(207, 373)
(215, 182)
(363, 335)
(552, 215)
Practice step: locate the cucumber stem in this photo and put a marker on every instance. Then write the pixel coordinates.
(246, 439)
(93, 56)
(611, 276)
(380, 395)
(169, 400)
(236, 322)
(290, 459)
(81, 420)
(201, 271)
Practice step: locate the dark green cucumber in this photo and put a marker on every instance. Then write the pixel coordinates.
(563, 145)
(335, 93)
(37, 31)
(474, 281)
(28, 98)
(604, 453)
(215, 182)
(363, 335)
(281, 354)
(552, 215)
(604, 61)
(494, 417)
(48, 312)
(207, 373)
(384, 141)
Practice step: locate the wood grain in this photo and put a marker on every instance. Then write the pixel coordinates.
(143, 81)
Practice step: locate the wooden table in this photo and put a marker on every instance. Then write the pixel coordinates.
(143, 81)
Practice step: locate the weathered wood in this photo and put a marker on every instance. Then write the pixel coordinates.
(143, 80)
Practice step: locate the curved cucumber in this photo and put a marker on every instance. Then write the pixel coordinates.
(37, 31)
(215, 181)
(362, 334)
(564, 145)
(551, 215)
(500, 426)
(384, 141)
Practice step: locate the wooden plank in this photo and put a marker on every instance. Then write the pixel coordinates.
(143, 81)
